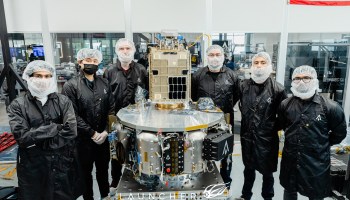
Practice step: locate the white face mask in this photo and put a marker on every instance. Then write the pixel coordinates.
(125, 57)
(43, 100)
(304, 90)
(41, 87)
(215, 63)
(259, 75)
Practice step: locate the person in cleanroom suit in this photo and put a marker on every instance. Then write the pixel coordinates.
(220, 84)
(93, 102)
(260, 97)
(124, 78)
(312, 124)
(45, 128)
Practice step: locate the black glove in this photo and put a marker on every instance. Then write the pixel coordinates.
(59, 127)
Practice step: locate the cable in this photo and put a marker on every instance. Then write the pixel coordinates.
(198, 38)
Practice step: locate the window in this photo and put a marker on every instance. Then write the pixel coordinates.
(327, 53)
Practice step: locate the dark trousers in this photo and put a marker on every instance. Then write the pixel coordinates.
(225, 170)
(287, 195)
(90, 153)
(249, 178)
(116, 172)
(226, 163)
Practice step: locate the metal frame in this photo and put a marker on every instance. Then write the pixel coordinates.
(8, 71)
(176, 188)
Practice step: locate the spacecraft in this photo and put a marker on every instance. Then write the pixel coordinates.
(167, 145)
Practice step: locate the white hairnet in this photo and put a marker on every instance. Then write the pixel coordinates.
(306, 70)
(89, 53)
(38, 65)
(40, 87)
(264, 55)
(124, 41)
(301, 89)
(215, 46)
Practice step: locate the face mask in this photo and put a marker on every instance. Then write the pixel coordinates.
(90, 68)
(304, 90)
(41, 87)
(125, 58)
(260, 75)
(215, 63)
(41, 84)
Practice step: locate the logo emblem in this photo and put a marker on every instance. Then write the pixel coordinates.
(269, 100)
(226, 149)
(318, 118)
(215, 190)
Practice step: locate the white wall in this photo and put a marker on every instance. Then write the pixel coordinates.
(155, 15)
(247, 16)
(314, 19)
(22, 16)
(254, 16)
(66, 16)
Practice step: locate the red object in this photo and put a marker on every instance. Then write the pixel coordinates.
(321, 2)
(168, 170)
(6, 140)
